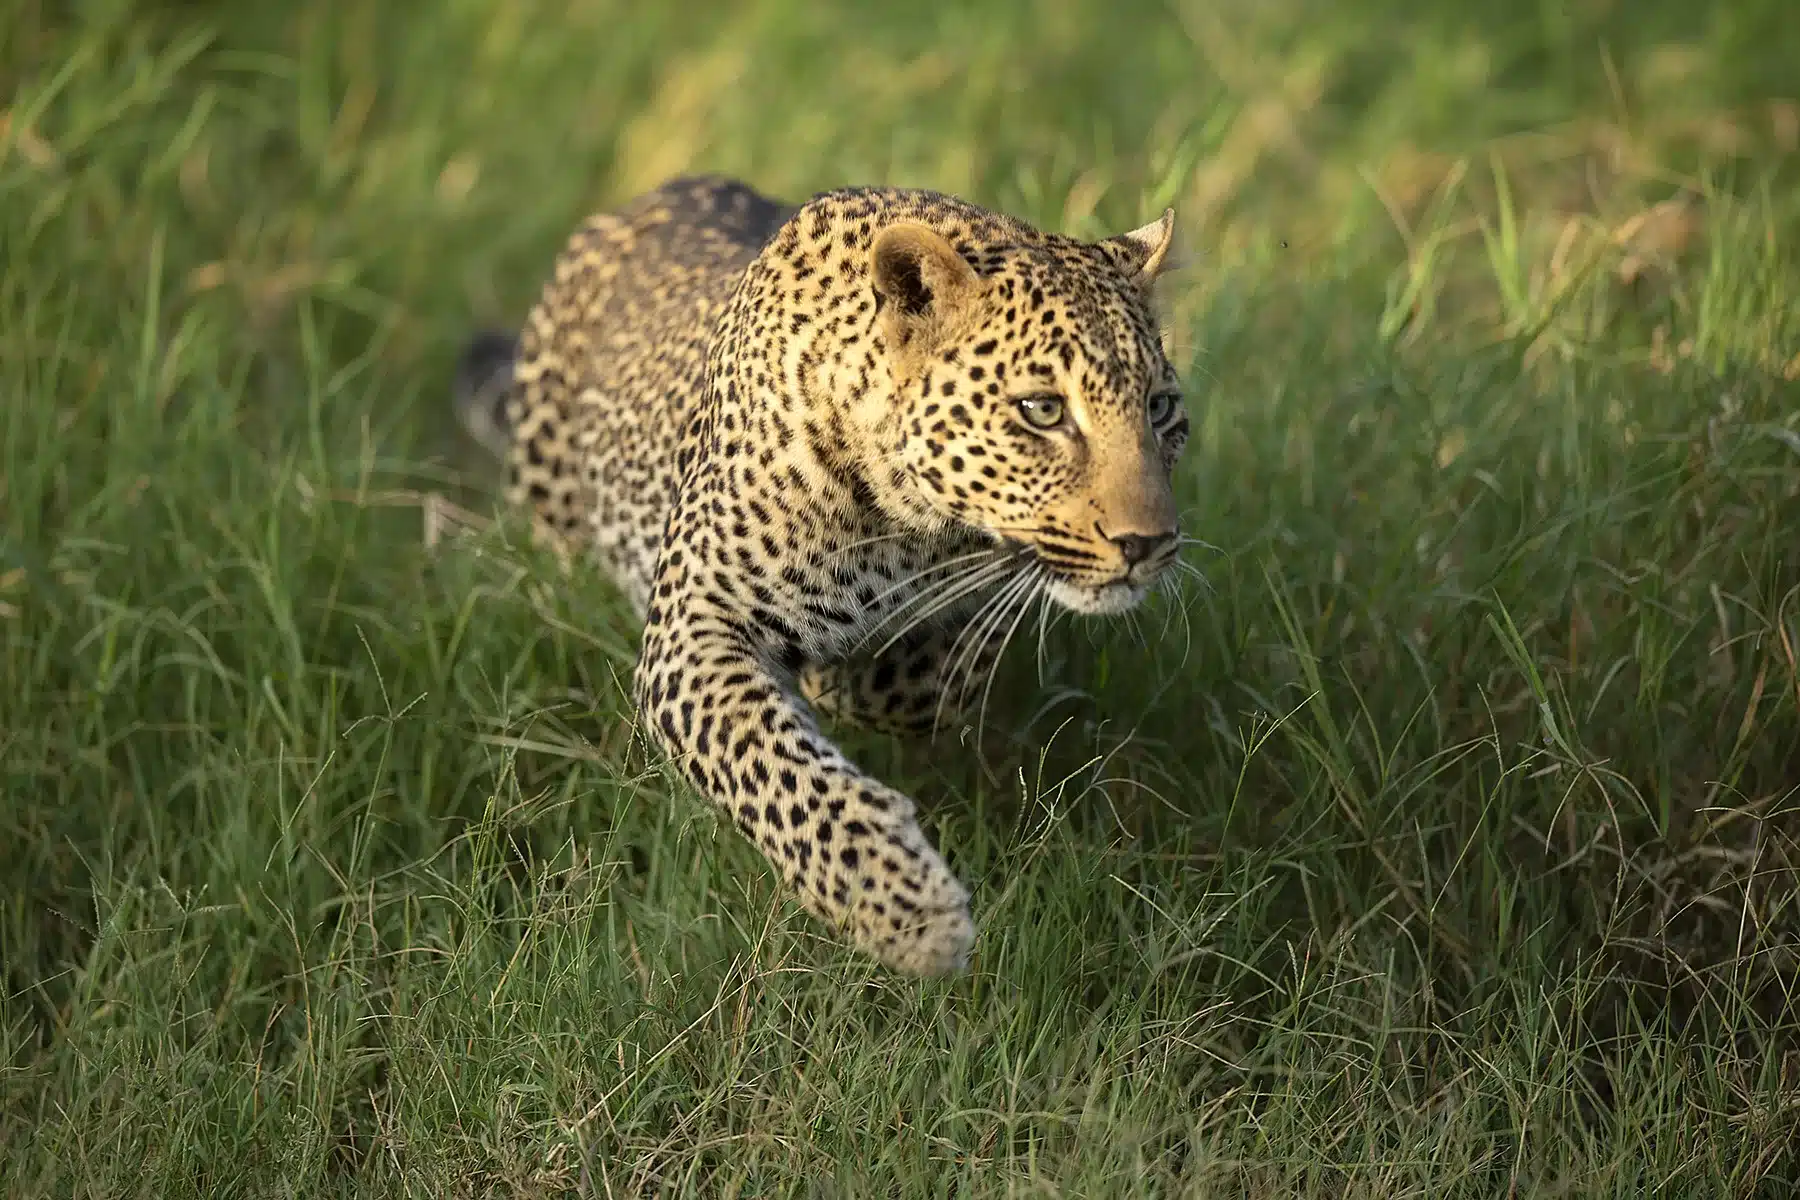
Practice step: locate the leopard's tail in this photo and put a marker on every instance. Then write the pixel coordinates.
(483, 380)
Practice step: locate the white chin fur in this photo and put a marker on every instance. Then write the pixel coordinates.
(1104, 600)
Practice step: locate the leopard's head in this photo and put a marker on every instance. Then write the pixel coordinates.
(1033, 400)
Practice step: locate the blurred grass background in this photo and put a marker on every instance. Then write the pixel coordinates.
(1444, 846)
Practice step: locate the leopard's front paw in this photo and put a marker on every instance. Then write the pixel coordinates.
(935, 943)
(911, 911)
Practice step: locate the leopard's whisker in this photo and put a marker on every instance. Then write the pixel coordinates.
(981, 626)
(991, 620)
(1037, 589)
(971, 629)
(1161, 587)
(939, 600)
(1043, 624)
(965, 567)
(1136, 629)
(1187, 620)
(874, 540)
(942, 596)
(1194, 573)
(932, 569)
(1172, 588)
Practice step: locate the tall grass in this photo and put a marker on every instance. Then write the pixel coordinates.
(1444, 844)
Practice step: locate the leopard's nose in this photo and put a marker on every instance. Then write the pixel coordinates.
(1136, 547)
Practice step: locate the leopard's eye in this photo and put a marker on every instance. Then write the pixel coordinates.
(1162, 406)
(1042, 411)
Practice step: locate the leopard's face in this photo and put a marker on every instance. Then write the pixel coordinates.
(1033, 403)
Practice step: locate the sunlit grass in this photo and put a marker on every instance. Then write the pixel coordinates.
(1442, 843)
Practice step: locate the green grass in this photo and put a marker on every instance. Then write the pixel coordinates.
(1444, 846)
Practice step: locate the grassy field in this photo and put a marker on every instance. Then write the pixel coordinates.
(1447, 844)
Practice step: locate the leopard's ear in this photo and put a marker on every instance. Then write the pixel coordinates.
(919, 277)
(1143, 254)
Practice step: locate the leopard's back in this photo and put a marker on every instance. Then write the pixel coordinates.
(610, 363)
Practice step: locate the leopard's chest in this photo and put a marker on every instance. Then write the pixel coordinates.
(802, 555)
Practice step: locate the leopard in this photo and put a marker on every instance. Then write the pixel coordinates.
(830, 453)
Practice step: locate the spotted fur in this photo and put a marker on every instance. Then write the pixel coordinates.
(833, 454)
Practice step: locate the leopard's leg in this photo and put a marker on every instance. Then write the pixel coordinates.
(922, 683)
(728, 712)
